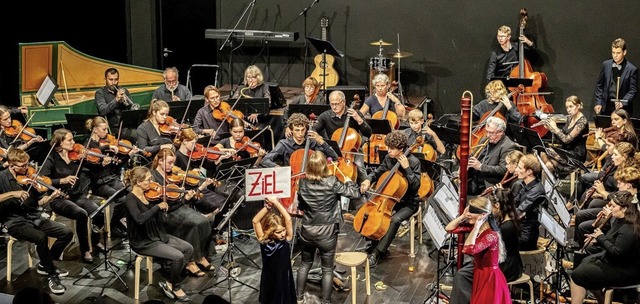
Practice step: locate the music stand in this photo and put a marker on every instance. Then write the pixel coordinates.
(334, 145)
(440, 237)
(602, 121)
(177, 108)
(308, 109)
(77, 123)
(448, 135)
(258, 105)
(426, 165)
(526, 137)
(108, 265)
(277, 98)
(133, 118)
(559, 235)
(553, 195)
(570, 159)
(325, 48)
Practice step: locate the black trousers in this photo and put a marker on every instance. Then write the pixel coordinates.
(79, 211)
(173, 256)
(326, 245)
(38, 235)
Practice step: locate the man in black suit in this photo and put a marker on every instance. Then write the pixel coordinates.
(617, 84)
(488, 167)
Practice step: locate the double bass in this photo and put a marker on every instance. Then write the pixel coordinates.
(373, 218)
(531, 99)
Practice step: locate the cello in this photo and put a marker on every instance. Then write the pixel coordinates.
(531, 99)
(373, 218)
(349, 141)
(298, 163)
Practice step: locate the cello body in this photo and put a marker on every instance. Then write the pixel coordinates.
(373, 218)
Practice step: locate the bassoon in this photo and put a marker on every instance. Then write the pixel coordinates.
(465, 140)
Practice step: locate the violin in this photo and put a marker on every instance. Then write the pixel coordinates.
(224, 110)
(156, 191)
(210, 153)
(17, 129)
(40, 183)
(3, 154)
(170, 126)
(193, 177)
(93, 155)
(124, 146)
(245, 144)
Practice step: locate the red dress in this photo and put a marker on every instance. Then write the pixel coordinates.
(489, 283)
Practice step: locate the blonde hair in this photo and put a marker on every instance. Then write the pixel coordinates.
(311, 81)
(495, 87)
(135, 175)
(486, 206)
(94, 122)
(185, 135)
(416, 115)
(16, 155)
(253, 70)
(504, 29)
(317, 166)
(530, 162)
(514, 156)
(155, 106)
(162, 154)
(270, 223)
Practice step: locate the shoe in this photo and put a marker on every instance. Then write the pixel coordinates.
(404, 228)
(61, 272)
(118, 232)
(167, 291)
(87, 258)
(373, 260)
(99, 248)
(206, 268)
(183, 298)
(55, 286)
(338, 285)
(196, 274)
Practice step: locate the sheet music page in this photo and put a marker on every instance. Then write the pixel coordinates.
(46, 89)
(434, 227)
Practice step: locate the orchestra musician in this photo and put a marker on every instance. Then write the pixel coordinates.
(485, 243)
(614, 260)
(504, 211)
(105, 176)
(396, 142)
(417, 128)
(381, 97)
(497, 96)
(299, 126)
(334, 119)
(572, 136)
(628, 179)
(319, 199)
(512, 158)
(489, 166)
(254, 86)
(6, 122)
(182, 221)
(311, 95)
(148, 235)
(528, 200)
(205, 123)
(618, 79)
(65, 174)
(150, 138)
(505, 58)
(211, 202)
(23, 215)
(621, 122)
(237, 136)
(111, 100)
(172, 89)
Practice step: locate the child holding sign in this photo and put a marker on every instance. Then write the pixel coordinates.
(274, 232)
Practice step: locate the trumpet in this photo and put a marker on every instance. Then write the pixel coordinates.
(127, 101)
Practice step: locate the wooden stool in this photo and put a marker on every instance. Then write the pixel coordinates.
(524, 279)
(608, 292)
(139, 258)
(75, 236)
(416, 216)
(353, 259)
(106, 211)
(10, 243)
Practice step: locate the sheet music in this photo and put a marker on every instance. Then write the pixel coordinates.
(447, 198)
(434, 227)
(558, 202)
(553, 227)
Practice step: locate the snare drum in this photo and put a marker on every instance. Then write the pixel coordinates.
(380, 63)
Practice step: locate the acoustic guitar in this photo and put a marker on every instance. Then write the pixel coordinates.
(324, 71)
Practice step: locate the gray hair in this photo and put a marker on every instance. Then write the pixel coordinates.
(380, 78)
(498, 122)
(339, 94)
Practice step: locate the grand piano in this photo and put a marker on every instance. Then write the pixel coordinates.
(78, 76)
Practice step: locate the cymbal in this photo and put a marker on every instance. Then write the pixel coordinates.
(400, 54)
(380, 42)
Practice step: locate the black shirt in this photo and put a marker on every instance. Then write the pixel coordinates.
(57, 168)
(328, 122)
(412, 174)
(144, 223)
(287, 146)
(13, 208)
(204, 120)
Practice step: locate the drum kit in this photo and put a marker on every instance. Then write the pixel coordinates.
(381, 64)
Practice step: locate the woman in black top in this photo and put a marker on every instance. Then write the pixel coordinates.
(150, 138)
(228, 144)
(147, 234)
(319, 200)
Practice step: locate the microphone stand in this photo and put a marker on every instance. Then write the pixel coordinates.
(306, 46)
(230, 39)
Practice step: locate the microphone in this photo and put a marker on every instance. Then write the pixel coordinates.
(205, 65)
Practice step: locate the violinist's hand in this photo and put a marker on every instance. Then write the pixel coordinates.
(69, 180)
(106, 161)
(211, 132)
(364, 186)
(24, 110)
(313, 134)
(287, 133)
(133, 151)
(404, 161)
(618, 105)
(56, 194)
(474, 163)
(262, 152)
(597, 109)
(207, 182)
(190, 194)
(23, 195)
(253, 118)
(163, 206)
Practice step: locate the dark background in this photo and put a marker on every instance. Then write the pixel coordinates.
(451, 40)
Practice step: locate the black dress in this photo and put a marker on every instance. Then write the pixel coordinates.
(276, 280)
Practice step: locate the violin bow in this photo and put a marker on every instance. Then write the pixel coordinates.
(226, 115)
(184, 116)
(193, 149)
(35, 176)
(22, 129)
(86, 148)
(164, 178)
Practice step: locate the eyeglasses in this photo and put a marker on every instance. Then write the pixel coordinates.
(334, 104)
(503, 36)
(493, 132)
(21, 166)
